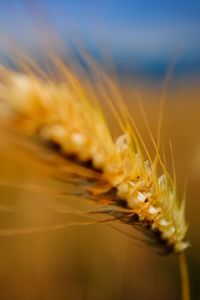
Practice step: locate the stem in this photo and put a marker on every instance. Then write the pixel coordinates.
(185, 286)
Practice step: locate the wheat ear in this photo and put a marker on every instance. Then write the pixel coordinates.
(69, 115)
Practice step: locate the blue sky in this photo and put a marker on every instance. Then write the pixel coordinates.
(146, 29)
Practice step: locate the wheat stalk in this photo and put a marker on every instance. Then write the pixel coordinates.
(69, 115)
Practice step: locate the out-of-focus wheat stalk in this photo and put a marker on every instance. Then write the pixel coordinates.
(68, 115)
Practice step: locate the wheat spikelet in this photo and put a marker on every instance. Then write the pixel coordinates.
(69, 114)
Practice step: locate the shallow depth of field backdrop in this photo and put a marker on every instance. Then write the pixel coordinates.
(141, 39)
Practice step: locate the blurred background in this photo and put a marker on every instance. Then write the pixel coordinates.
(141, 42)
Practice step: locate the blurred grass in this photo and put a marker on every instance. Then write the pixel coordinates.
(98, 262)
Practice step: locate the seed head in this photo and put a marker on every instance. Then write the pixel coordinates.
(65, 114)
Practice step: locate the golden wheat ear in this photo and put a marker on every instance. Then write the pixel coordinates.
(68, 116)
(67, 119)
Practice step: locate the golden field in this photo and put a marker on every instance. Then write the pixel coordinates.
(96, 261)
